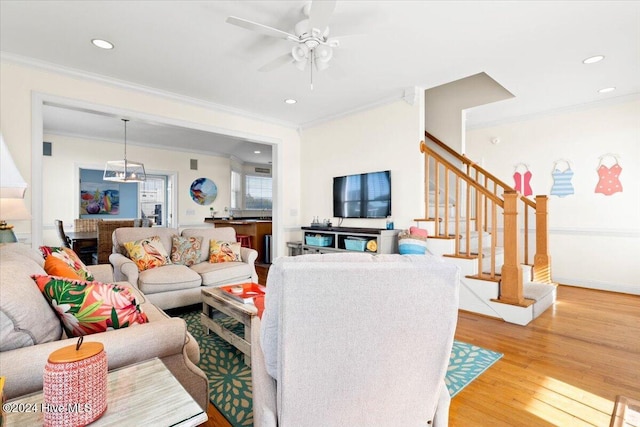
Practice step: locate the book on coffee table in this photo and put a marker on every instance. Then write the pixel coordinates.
(243, 292)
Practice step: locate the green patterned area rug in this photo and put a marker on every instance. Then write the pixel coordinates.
(230, 378)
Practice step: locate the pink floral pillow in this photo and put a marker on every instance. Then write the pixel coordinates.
(66, 256)
(86, 308)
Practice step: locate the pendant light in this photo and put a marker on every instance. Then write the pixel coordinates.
(124, 170)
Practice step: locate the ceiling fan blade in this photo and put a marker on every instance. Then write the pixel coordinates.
(278, 62)
(320, 13)
(263, 29)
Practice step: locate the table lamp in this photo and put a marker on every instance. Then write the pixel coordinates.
(12, 188)
(11, 209)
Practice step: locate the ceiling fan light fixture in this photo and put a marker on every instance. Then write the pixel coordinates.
(301, 65)
(290, 101)
(323, 53)
(300, 52)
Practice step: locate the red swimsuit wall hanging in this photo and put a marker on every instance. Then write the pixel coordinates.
(522, 181)
(609, 176)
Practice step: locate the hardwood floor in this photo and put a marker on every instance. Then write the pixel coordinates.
(563, 369)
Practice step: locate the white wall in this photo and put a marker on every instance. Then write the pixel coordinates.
(594, 239)
(384, 138)
(21, 84)
(71, 153)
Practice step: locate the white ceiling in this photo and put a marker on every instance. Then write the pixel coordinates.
(532, 48)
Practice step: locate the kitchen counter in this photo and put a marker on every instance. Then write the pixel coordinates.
(255, 228)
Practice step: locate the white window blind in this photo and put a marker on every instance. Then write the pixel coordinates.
(258, 192)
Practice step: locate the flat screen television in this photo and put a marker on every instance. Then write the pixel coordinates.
(366, 195)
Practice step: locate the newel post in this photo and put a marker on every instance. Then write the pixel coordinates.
(542, 260)
(511, 289)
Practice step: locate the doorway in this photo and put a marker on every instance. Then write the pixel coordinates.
(155, 198)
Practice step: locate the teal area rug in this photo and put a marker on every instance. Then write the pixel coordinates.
(230, 378)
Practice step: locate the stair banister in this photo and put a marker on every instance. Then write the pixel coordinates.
(511, 289)
(542, 260)
(480, 196)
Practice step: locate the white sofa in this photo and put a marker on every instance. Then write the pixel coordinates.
(355, 340)
(30, 331)
(175, 285)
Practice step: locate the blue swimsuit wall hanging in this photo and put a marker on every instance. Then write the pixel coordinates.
(562, 186)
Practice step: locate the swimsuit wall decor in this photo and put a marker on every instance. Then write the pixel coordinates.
(609, 176)
(522, 180)
(562, 185)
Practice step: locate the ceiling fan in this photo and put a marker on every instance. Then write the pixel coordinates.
(312, 48)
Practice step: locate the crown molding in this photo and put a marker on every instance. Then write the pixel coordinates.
(365, 107)
(134, 87)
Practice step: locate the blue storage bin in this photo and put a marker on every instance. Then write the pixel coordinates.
(318, 240)
(355, 245)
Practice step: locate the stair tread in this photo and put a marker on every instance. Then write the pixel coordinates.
(537, 290)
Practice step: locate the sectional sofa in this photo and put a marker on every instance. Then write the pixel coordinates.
(30, 330)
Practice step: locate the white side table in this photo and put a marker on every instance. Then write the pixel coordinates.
(144, 393)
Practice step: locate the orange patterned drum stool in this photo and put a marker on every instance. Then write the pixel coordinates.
(75, 385)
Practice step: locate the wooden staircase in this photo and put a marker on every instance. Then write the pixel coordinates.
(483, 225)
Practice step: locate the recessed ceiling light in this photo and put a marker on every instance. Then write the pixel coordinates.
(256, 152)
(102, 44)
(290, 101)
(593, 59)
(607, 90)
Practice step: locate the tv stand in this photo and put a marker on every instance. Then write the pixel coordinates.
(333, 239)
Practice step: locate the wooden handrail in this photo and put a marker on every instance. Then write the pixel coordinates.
(464, 159)
(464, 177)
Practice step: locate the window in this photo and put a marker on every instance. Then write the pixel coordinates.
(258, 194)
(236, 190)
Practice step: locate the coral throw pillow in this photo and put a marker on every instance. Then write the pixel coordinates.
(420, 232)
(186, 250)
(147, 253)
(86, 308)
(224, 251)
(64, 262)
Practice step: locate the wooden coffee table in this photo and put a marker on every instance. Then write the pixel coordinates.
(216, 305)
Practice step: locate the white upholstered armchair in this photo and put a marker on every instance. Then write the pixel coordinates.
(355, 340)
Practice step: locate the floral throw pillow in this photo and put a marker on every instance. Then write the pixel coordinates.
(186, 250)
(224, 251)
(147, 253)
(63, 261)
(86, 308)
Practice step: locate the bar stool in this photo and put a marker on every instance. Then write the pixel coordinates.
(244, 240)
